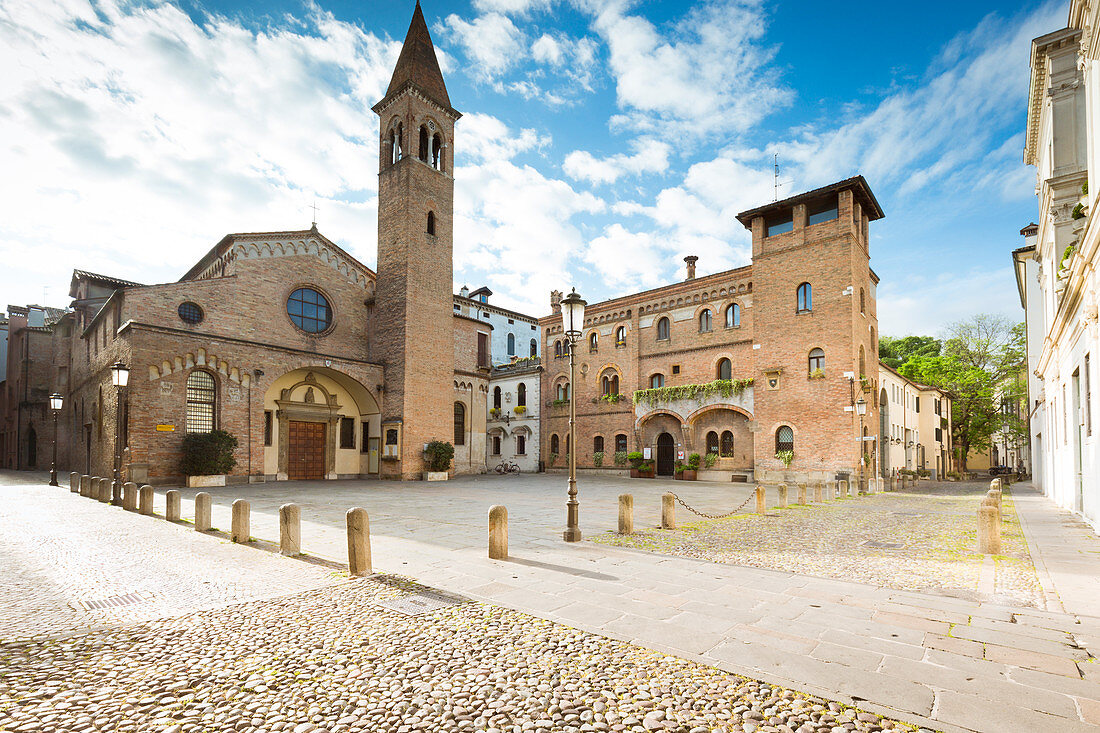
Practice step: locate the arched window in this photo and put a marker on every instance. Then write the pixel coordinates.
(496, 445)
(620, 443)
(496, 397)
(620, 336)
(862, 362)
(657, 380)
(557, 349)
(816, 360)
(202, 393)
(593, 341)
(704, 321)
(727, 444)
(437, 152)
(563, 391)
(395, 143)
(725, 369)
(521, 395)
(712, 442)
(862, 301)
(662, 329)
(534, 347)
(424, 143)
(554, 443)
(460, 424)
(511, 344)
(431, 223)
(610, 383)
(805, 298)
(733, 315)
(784, 438)
(565, 347)
(597, 444)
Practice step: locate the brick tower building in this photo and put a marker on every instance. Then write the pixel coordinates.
(413, 309)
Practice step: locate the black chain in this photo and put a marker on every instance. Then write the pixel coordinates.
(684, 504)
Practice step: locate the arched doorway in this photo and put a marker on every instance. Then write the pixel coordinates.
(666, 455)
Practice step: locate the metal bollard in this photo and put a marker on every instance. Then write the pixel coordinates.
(626, 514)
(668, 511)
(498, 533)
(74, 482)
(290, 529)
(145, 499)
(116, 493)
(85, 485)
(782, 500)
(172, 505)
(760, 508)
(241, 528)
(802, 493)
(359, 562)
(989, 530)
(202, 511)
(130, 496)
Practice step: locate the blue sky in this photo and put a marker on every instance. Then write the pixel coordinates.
(602, 140)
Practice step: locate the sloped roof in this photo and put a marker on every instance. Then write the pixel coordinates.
(857, 184)
(418, 64)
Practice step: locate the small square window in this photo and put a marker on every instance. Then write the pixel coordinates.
(511, 321)
(675, 368)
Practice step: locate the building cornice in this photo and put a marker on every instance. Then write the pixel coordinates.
(1036, 93)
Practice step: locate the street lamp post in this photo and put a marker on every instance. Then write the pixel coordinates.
(861, 410)
(56, 401)
(572, 317)
(120, 376)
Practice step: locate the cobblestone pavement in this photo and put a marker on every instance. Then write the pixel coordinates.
(923, 538)
(332, 660)
(60, 554)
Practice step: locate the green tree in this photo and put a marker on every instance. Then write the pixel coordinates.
(895, 351)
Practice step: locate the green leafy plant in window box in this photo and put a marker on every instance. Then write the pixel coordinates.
(710, 459)
(817, 374)
(494, 411)
(786, 457)
(559, 403)
(597, 458)
(718, 388)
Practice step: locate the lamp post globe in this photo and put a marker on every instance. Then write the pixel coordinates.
(572, 321)
(120, 377)
(56, 403)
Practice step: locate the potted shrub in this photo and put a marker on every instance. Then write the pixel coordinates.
(691, 469)
(597, 458)
(207, 458)
(439, 454)
(646, 469)
(636, 459)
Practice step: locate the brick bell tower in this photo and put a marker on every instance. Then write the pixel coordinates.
(414, 332)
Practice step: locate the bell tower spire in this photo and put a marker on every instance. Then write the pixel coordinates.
(414, 332)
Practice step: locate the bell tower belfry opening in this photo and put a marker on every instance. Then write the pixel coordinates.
(414, 337)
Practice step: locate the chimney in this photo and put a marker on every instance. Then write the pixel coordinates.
(691, 260)
(555, 302)
(465, 292)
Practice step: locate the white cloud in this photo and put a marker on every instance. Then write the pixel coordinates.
(492, 41)
(139, 138)
(650, 156)
(512, 7)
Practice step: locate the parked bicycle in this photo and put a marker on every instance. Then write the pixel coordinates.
(507, 467)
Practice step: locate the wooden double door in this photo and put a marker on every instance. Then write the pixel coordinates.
(306, 451)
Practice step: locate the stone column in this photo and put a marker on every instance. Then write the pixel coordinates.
(290, 529)
(989, 530)
(802, 494)
(782, 501)
(130, 496)
(626, 513)
(668, 511)
(242, 525)
(172, 505)
(145, 499)
(74, 482)
(359, 560)
(202, 512)
(760, 508)
(85, 485)
(498, 533)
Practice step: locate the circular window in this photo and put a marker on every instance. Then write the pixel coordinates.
(190, 312)
(309, 310)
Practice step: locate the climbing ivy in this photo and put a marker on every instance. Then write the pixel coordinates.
(717, 388)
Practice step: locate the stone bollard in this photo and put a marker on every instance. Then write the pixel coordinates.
(802, 493)
(989, 530)
(93, 488)
(104, 493)
(290, 529)
(996, 484)
(85, 485)
(145, 499)
(358, 542)
(202, 511)
(130, 496)
(782, 500)
(760, 508)
(241, 528)
(498, 533)
(74, 482)
(894, 482)
(172, 505)
(626, 514)
(819, 493)
(668, 511)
